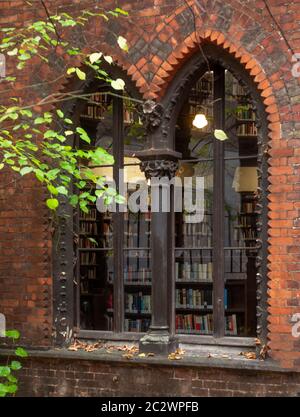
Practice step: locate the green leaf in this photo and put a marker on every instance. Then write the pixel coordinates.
(121, 11)
(24, 57)
(60, 113)
(93, 241)
(220, 134)
(1, 166)
(26, 112)
(39, 121)
(12, 389)
(15, 365)
(74, 200)
(21, 352)
(83, 134)
(13, 52)
(71, 70)
(62, 190)
(13, 334)
(26, 170)
(4, 371)
(120, 199)
(49, 134)
(108, 59)
(122, 42)
(118, 84)
(39, 175)
(52, 203)
(99, 193)
(12, 379)
(95, 57)
(80, 74)
(52, 189)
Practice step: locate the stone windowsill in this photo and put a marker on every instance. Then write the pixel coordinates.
(200, 356)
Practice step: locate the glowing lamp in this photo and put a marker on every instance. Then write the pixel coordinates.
(200, 121)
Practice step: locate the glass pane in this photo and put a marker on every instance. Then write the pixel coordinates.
(95, 228)
(240, 292)
(193, 254)
(197, 142)
(97, 120)
(241, 183)
(137, 254)
(137, 283)
(241, 246)
(134, 132)
(96, 289)
(194, 228)
(240, 121)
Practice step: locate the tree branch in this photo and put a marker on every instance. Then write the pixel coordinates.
(51, 21)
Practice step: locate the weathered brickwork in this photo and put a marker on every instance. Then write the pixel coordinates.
(162, 35)
(87, 378)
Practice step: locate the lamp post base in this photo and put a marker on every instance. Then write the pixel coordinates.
(158, 341)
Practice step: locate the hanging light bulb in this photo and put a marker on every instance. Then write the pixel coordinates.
(200, 121)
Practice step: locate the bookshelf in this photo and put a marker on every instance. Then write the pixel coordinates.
(95, 270)
(137, 270)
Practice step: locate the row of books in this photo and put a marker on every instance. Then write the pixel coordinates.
(137, 325)
(246, 113)
(240, 235)
(231, 325)
(203, 85)
(199, 229)
(249, 207)
(86, 243)
(91, 215)
(88, 258)
(89, 273)
(88, 228)
(194, 241)
(193, 271)
(97, 111)
(203, 324)
(137, 303)
(247, 129)
(194, 298)
(141, 275)
(237, 89)
(236, 261)
(193, 323)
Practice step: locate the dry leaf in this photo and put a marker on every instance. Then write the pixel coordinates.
(174, 357)
(142, 355)
(249, 355)
(127, 356)
(150, 354)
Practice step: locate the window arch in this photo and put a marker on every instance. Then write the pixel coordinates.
(216, 267)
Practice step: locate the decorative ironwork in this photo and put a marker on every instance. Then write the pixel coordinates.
(152, 115)
(159, 168)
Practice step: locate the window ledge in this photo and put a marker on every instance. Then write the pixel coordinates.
(197, 358)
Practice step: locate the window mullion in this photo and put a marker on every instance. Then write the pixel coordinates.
(118, 221)
(218, 206)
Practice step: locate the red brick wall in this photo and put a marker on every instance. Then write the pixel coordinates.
(161, 35)
(75, 378)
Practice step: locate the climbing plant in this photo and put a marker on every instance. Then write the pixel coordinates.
(34, 139)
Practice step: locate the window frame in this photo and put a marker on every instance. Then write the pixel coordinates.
(63, 264)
